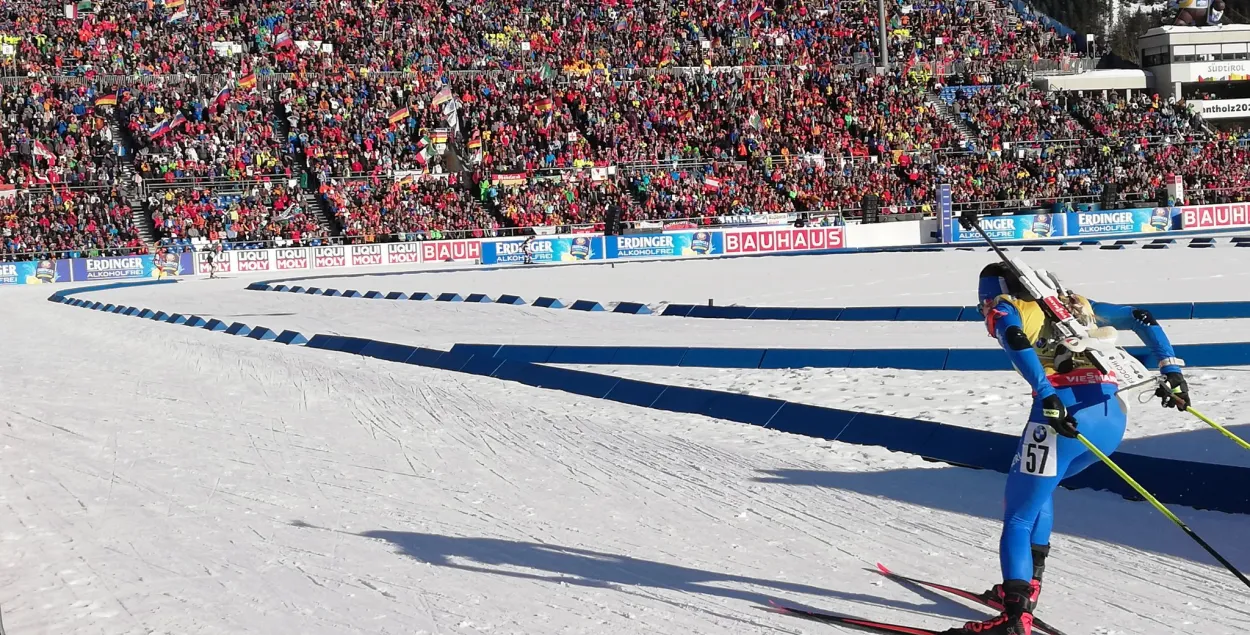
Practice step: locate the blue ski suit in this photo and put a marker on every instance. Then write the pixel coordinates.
(1043, 458)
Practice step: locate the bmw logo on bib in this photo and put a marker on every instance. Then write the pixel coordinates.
(1039, 434)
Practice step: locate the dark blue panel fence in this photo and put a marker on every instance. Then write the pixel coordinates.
(1220, 354)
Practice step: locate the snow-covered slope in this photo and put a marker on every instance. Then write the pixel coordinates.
(162, 479)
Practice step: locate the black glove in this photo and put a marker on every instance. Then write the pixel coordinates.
(1057, 416)
(1174, 393)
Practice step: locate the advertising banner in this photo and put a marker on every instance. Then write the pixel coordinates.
(946, 213)
(671, 245)
(365, 255)
(1120, 221)
(403, 253)
(222, 262)
(246, 260)
(35, 272)
(115, 268)
(290, 258)
(451, 250)
(1215, 216)
(329, 257)
(570, 249)
(758, 241)
(1022, 227)
(1220, 108)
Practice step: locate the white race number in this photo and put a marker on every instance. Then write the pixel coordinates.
(1039, 453)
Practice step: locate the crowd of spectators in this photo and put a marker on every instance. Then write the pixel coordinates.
(385, 210)
(260, 213)
(94, 221)
(397, 114)
(1017, 114)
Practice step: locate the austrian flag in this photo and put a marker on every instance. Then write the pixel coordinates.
(711, 183)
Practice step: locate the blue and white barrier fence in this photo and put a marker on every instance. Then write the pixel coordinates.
(1197, 485)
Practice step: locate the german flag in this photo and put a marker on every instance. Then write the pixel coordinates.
(106, 100)
(248, 82)
(475, 141)
(543, 105)
(439, 136)
(398, 115)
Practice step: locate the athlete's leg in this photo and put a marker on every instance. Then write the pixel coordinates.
(1028, 498)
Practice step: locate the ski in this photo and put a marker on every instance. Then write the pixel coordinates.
(856, 623)
(1038, 624)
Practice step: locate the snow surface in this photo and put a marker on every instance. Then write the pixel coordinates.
(162, 479)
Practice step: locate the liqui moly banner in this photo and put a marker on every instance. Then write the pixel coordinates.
(403, 253)
(365, 255)
(290, 258)
(1215, 216)
(759, 241)
(253, 260)
(222, 263)
(334, 257)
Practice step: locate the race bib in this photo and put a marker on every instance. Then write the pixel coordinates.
(1039, 453)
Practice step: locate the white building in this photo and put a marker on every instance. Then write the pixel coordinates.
(1209, 67)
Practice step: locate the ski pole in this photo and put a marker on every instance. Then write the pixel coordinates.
(1224, 431)
(1162, 509)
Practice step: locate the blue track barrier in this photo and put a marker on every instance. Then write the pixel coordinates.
(1198, 485)
(969, 359)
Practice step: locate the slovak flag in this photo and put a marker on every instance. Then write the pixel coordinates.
(283, 40)
(178, 120)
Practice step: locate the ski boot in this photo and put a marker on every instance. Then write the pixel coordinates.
(1018, 599)
(993, 598)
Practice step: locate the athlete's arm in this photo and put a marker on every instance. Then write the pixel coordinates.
(1004, 322)
(1141, 322)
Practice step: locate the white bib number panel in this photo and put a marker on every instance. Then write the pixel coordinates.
(1039, 452)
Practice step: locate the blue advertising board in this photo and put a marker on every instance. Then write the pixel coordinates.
(130, 267)
(545, 250)
(944, 211)
(669, 245)
(1022, 227)
(34, 272)
(1121, 221)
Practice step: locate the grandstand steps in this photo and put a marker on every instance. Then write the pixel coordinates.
(321, 210)
(966, 134)
(132, 193)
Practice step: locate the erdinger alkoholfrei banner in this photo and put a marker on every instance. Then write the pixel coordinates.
(1121, 221)
(544, 250)
(670, 245)
(131, 267)
(1005, 228)
(35, 272)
